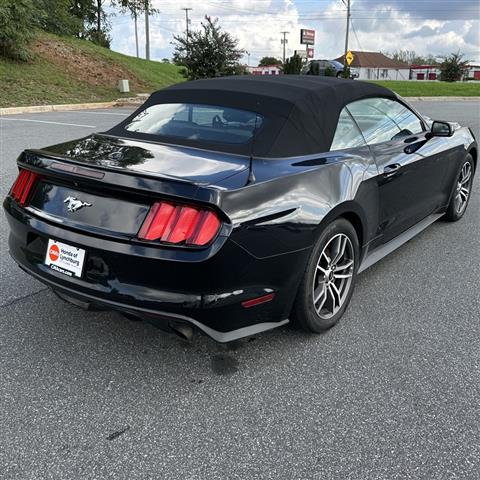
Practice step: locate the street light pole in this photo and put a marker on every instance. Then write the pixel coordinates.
(284, 42)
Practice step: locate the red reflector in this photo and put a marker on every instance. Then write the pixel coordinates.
(179, 224)
(23, 186)
(258, 301)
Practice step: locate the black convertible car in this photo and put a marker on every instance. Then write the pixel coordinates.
(236, 205)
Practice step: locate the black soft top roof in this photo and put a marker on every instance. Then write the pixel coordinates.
(301, 112)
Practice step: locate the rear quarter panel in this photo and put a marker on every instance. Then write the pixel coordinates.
(290, 199)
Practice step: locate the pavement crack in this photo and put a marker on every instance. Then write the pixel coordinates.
(19, 299)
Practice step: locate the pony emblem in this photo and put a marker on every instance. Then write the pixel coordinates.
(73, 204)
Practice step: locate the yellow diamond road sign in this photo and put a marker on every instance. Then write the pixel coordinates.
(349, 57)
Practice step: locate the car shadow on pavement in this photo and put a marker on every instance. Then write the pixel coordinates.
(103, 342)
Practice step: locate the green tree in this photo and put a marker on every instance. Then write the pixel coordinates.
(94, 23)
(98, 32)
(453, 68)
(18, 19)
(267, 61)
(293, 65)
(84, 12)
(411, 58)
(209, 52)
(55, 16)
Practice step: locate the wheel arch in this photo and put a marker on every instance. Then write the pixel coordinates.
(351, 212)
(473, 152)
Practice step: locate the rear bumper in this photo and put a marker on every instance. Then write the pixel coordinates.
(207, 294)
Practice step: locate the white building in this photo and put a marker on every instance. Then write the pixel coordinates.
(474, 71)
(265, 70)
(377, 66)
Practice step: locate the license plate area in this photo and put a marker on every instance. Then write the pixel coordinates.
(64, 258)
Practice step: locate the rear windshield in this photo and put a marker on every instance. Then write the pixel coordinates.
(197, 122)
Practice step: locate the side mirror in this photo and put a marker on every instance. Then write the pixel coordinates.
(441, 129)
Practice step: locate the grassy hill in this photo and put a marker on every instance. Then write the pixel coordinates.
(68, 70)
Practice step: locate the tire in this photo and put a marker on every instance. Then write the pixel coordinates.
(462, 192)
(339, 74)
(315, 316)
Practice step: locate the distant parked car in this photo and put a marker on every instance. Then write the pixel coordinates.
(336, 68)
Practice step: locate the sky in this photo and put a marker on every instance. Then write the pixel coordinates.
(437, 27)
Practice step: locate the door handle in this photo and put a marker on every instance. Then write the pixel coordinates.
(390, 170)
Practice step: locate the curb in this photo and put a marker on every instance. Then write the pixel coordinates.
(120, 102)
(441, 99)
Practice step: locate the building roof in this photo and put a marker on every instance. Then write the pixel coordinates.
(299, 112)
(373, 60)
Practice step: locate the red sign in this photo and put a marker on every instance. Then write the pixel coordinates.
(54, 253)
(310, 53)
(307, 37)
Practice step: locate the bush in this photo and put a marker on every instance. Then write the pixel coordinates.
(293, 65)
(314, 68)
(346, 71)
(330, 72)
(18, 19)
(207, 53)
(453, 68)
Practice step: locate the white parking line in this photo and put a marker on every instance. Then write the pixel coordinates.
(45, 121)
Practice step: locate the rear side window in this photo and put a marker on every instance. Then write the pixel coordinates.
(197, 122)
(347, 134)
(383, 120)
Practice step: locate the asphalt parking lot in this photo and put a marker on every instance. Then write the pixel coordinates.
(391, 393)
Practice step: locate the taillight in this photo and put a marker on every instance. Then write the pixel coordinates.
(23, 186)
(179, 224)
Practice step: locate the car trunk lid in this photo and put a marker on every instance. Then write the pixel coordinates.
(184, 164)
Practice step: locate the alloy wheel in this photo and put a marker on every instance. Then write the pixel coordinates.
(462, 191)
(333, 276)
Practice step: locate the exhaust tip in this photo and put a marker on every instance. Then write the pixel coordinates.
(182, 330)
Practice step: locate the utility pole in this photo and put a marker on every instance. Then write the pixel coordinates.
(187, 21)
(284, 42)
(147, 30)
(248, 56)
(347, 3)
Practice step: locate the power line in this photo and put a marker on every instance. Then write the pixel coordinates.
(356, 36)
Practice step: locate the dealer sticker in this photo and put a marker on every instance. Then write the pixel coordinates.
(64, 258)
